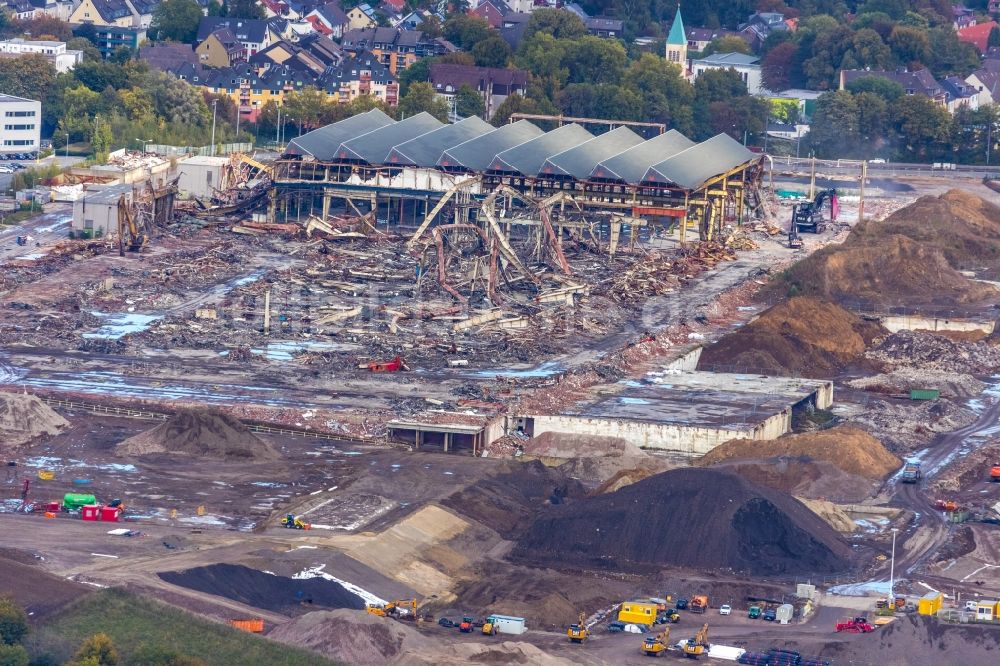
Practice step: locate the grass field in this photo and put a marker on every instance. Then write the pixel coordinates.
(133, 622)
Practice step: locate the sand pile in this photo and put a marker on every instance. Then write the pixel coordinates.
(836, 517)
(802, 337)
(902, 380)
(24, 417)
(199, 432)
(594, 459)
(263, 590)
(905, 427)
(803, 477)
(849, 448)
(912, 257)
(926, 351)
(698, 518)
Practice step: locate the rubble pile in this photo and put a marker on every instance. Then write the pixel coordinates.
(969, 469)
(929, 352)
(906, 427)
(199, 432)
(901, 380)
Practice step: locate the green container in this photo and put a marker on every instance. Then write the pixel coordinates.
(76, 500)
(924, 394)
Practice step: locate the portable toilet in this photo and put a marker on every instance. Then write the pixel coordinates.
(506, 624)
(110, 513)
(90, 512)
(784, 613)
(930, 603)
(638, 612)
(986, 610)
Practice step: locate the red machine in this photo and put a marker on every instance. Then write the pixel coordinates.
(946, 505)
(395, 365)
(857, 625)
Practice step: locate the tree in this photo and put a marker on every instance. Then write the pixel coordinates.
(884, 88)
(517, 104)
(90, 51)
(949, 55)
(910, 46)
(742, 118)
(834, 129)
(492, 52)
(465, 30)
(13, 655)
(28, 76)
(556, 22)
(594, 60)
(727, 44)
(308, 107)
(468, 102)
(43, 27)
(99, 650)
(176, 20)
(418, 71)
(542, 55)
(666, 96)
(922, 127)
(602, 100)
(777, 65)
(13, 622)
(873, 122)
(867, 51)
(100, 139)
(431, 27)
(719, 85)
(421, 97)
(247, 9)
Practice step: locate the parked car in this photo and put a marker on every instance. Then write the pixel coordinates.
(725, 609)
(445, 622)
(754, 612)
(770, 615)
(682, 603)
(616, 627)
(876, 161)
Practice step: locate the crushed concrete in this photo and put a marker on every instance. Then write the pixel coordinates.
(926, 351)
(199, 432)
(910, 426)
(23, 417)
(901, 380)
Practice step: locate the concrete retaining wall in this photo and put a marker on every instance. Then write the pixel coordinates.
(914, 323)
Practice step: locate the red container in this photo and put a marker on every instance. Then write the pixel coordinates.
(90, 512)
(53, 506)
(109, 514)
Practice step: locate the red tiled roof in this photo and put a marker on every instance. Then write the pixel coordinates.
(977, 35)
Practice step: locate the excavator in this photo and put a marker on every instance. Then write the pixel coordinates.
(808, 216)
(395, 608)
(129, 235)
(654, 646)
(697, 646)
(290, 521)
(578, 632)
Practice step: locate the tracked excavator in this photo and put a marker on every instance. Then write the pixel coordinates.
(395, 609)
(697, 646)
(130, 237)
(809, 216)
(578, 632)
(654, 646)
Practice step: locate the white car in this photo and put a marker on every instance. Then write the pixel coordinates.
(725, 609)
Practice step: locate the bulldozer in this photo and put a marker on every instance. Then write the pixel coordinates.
(654, 646)
(697, 646)
(292, 522)
(396, 608)
(578, 633)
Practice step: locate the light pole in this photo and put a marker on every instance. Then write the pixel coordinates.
(215, 107)
(989, 137)
(892, 570)
(144, 142)
(67, 144)
(277, 129)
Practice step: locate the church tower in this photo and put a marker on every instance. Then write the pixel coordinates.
(677, 43)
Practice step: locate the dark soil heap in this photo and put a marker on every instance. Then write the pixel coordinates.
(199, 432)
(913, 257)
(280, 594)
(801, 337)
(695, 518)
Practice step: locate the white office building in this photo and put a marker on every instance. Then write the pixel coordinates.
(62, 59)
(22, 122)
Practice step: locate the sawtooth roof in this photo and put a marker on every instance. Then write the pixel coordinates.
(528, 157)
(374, 146)
(692, 167)
(580, 161)
(324, 142)
(426, 150)
(631, 165)
(477, 154)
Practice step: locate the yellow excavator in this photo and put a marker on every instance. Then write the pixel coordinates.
(129, 235)
(697, 646)
(394, 609)
(654, 646)
(578, 632)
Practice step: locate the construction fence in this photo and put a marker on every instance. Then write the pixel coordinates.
(178, 151)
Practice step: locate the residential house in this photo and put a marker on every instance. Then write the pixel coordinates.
(986, 81)
(314, 53)
(960, 93)
(978, 34)
(515, 25)
(962, 17)
(806, 100)
(397, 49)
(106, 13)
(361, 17)
(254, 34)
(393, 7)
(921, 82)
(59, 9)
(329, 20)
(525, 6)
(412, 20)
(699, 38)
(747, 66)
(491, 11)
(760, 25)
(167, 56)
(62, 59)
(599, 26)
(110, 38)
(494, 85)
(221, 49)
(276, 8)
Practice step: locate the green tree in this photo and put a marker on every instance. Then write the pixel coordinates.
(778, 66)
(431, 27)
(873, 122)
(517, 104)
(911, 46)
(28, 76)
(949, 55)
(727, 44)
(13, 655)
(743, 118)
(308, 107)
(492, 52)
(666, 95)
(100, 139)
(884, 88)
(923, 128)
(719, 85)
(556, 22)
(867, 51)
(421, 97)
(13, 622)
(468, 102)
(47, 27)
(603, 100)
(176, 20)
(90, 51)
(542, 55)
(465, 30)
(99, 650)
(247, 9)
(418, 71)
(594, 60)
(834, 131)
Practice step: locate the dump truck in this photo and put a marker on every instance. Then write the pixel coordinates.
(911, 473)
(699, 604)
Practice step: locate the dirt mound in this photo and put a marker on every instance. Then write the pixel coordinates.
(280, 594)
(508, 501)
(848, 447)
(24, 417)
(902, 380)
(804, 337)
(698, 518)
(831, 513)
(39, 592)
(199, 432)
(926, 351)
(803, 477)
(625, 477)
(908, 426)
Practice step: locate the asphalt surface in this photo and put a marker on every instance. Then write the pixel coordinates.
(43, 232)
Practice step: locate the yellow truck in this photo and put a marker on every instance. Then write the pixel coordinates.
(638, 612)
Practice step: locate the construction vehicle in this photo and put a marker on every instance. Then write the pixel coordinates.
(577, 633)
(946, 505)
(794, 240)
(654, 646)
(754, 612)
(911, 473)
(129, 235)
(466, 625)
(490, 627)
(697, 646)
(292, 522)
(22, 240)
(668, 615)
(395, 365)
(855, 625)
(995, 474)
(396, 608)
(809, 215)
(698, 604)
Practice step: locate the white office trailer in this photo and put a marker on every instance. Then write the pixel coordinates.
(505, 624)
(20, 132)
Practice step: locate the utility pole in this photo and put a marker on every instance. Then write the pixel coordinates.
(861, 202)
(277, 128)
(892, 570)
(989, 137)
(215, 106)
(812, 178)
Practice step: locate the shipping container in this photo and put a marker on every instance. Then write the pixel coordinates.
(930, 603)
(637, 612)
(924, 394)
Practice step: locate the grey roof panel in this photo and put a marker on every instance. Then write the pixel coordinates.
(527, 158)
(322, 143)
(692, 167)
(374, 146)
(476, 154)
(426, 150)
(579, 162)
(631, 165)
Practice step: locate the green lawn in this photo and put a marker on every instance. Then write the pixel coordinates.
(132, 621)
